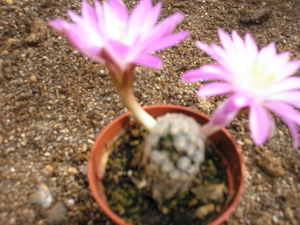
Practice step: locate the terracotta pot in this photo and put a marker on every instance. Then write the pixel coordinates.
(222, 140)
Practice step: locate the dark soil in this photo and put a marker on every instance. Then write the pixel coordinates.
(54, 102)
(136, 205)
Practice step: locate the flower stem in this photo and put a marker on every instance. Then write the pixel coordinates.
(137, 110)
(209, 129)
(124, 85)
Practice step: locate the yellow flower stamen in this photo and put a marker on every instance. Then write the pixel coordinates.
(262, 77)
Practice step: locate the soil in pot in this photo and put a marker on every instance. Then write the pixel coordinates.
(200, 205)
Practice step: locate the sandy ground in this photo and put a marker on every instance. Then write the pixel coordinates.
(54, 102)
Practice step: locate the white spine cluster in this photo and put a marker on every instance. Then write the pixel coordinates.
(174, 151)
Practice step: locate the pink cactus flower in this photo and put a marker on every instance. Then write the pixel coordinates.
(109, 35)
(259, 79)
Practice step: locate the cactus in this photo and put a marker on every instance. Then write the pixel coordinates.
(173, 152)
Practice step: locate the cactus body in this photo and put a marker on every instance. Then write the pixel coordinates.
(173, 152)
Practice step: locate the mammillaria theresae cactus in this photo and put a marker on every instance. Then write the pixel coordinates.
(257, 79)
(173, 152)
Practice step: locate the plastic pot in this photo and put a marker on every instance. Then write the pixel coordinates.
(222, 140)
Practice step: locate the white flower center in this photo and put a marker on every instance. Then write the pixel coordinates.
(256, 80)
(117, 32)
(262, 77)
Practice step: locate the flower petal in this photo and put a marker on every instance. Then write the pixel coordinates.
(292, 98)
(239, 45)
(86, 28)
(215, 88)
(228, 110)
(287, 69)
(137, 18)
(204, 47)
(75, 17)
(149, 60)
(60, 25)
(284, 110)
(168, 41)
(251, 48)
(101, 21)
(162, 30)
(214, 51)
(267, 53)
(151, 19)
(289, 115)
(89, 14)
(119, 9)
(289, 84)
(260, 123)
(116, 54)
(294, 131)
(77, 38)
(225, 40)
(207, 72)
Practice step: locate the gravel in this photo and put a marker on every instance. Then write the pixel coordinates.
(54, 102)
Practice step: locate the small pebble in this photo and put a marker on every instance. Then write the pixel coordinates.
(212, 192)
(260, 188)
(42, 196)
(240, 212)
(72, 170)
(280, 132)
(203, 211)
(49, 169)
(90, 222)
(270, 164)
(193, 202)
(275, 219)
(240, 142)
(165, 210)
(57, 215)
(288, 213)
(69, 203)
(84, 147)
(248, 141)
(33, 78)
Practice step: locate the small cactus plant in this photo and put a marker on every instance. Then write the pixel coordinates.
(173, 152)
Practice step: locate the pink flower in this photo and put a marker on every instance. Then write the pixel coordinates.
(259, 79)
(109, 35)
